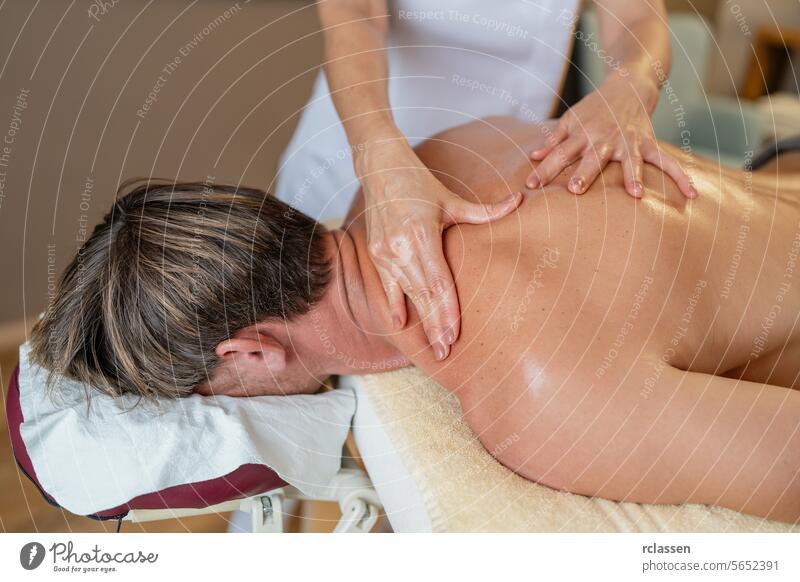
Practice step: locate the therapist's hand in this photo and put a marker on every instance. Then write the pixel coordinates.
(610, 124)
(407, 210)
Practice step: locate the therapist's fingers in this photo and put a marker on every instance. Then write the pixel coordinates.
(654, 154)
(457, 210)
(590, 167)
(415, 284)
(558, 159)
(388, 254)
(394, 296)
(632, 171)
(445, 311)
(560, 134)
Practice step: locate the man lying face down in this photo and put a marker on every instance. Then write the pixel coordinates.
(619, 345)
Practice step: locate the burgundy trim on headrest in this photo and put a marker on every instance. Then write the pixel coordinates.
(243, 482)
(14, 418)
(246, 481)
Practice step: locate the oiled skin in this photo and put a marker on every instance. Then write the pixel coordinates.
(582, 314)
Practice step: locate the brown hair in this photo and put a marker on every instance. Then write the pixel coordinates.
(174, 269)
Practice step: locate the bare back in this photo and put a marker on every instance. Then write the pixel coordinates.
(596, 261)
(581, 316)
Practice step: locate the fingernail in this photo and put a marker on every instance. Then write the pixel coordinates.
(576, 185)
(638, 189)
(692, 192)
(398, 324)
(449, 336)
(438, 351)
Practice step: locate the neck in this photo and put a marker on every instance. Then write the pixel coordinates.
(352, 319)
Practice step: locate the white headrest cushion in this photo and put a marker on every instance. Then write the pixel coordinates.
(93, 457)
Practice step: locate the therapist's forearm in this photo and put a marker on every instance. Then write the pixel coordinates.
(356, 68)
(636, 36)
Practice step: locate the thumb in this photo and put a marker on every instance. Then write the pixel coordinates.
(460, 210)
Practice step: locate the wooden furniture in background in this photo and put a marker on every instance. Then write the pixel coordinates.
(771, 52)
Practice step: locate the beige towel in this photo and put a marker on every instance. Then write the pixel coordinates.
(465, 489)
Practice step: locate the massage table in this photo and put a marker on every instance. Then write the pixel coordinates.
(350, 488)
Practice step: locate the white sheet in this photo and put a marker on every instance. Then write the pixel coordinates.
(92, 460)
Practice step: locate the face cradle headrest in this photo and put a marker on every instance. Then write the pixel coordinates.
(246, 481)
(105, 456)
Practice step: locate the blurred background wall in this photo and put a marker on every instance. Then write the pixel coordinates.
(97, 92)
(229, 79)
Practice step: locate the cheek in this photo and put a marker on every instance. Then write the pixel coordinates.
(296, 379)
(237, 383)
(203, 390)
(299, 380)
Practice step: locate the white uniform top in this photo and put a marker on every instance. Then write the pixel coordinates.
(450, 62)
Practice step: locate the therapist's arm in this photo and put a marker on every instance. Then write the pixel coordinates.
(613, 122)
(406, 207)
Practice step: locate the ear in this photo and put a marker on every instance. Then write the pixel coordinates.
(252, 347)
